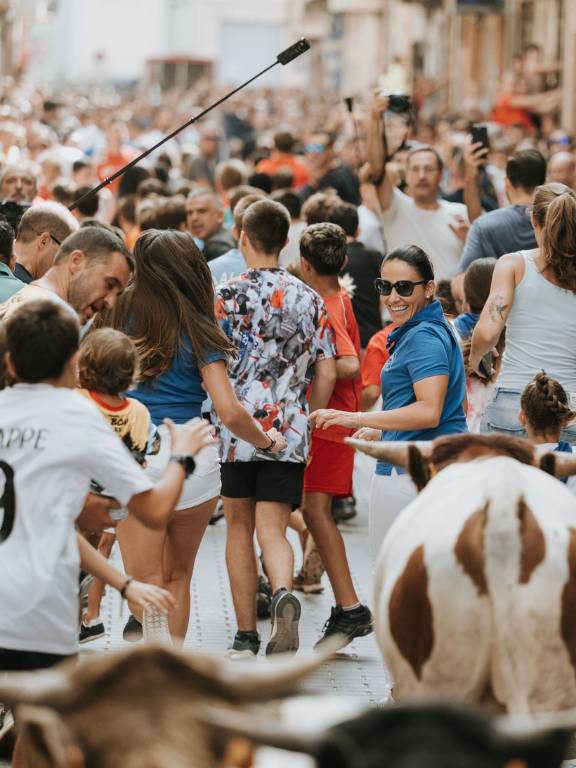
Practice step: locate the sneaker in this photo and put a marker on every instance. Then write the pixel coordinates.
(263, 598)
(85, 584)
(132, 630)
(285, 617)
(218, 513)
(348, 624)
(309, 580)
(245, 646)
(91, 631)
(344, 509)
(155, 626)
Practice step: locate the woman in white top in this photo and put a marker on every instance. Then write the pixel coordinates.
(533, 296)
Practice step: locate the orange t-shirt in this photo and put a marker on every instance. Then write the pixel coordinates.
(111, 163)
(376, 356)
(505, 114)
(278, 161)
(347, 392)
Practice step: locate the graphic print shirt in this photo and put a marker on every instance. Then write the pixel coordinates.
(280, 329)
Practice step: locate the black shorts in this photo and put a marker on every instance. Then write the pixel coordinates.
(29, 661)
(280, 481)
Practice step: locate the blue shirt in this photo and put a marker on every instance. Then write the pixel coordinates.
(465, 324)
(423, 347)
(176, 394)
(228, 265)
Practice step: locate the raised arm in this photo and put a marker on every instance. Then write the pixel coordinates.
(378, 150)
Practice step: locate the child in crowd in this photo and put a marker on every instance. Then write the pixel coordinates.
(107, 367)
(331, 462)
(52, 442)
(477, 282)
(544, 411)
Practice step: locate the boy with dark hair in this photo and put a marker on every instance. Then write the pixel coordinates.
(279, 326)
(52, 443)
(331, 462)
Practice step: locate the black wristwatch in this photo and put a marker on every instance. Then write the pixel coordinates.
(186, 461)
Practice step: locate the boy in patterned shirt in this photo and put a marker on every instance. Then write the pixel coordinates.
(331, 464)
(280, 329)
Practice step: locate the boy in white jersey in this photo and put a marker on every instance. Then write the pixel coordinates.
(52, 443)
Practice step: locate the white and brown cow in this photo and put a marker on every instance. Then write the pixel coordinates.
(475, 587)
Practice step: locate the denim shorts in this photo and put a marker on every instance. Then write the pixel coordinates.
(501, 417)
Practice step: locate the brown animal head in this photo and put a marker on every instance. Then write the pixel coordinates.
(423, 460)
(137, 708)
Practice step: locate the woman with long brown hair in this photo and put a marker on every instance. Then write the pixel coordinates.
(533, 296)
(169, 313)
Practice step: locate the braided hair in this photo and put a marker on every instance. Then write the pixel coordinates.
(545, 404)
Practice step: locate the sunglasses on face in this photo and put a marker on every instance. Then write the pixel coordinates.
(402, 287)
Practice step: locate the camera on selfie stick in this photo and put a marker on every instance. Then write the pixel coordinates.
(285, 57)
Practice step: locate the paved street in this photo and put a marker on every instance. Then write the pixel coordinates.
(358, 673)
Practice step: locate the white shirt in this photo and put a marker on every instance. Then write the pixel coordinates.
(53, 441)
(540, 331)
(404, 223)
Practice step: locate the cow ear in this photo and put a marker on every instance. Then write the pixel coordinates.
(45, 738)
(418, 467)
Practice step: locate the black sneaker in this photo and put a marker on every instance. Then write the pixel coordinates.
(245, 646)
(263, 598)
(348, 624)
(344, 509)
(132, 630)
(91, 632)
(285, 617)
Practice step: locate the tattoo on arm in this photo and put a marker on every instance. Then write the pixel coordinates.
(496, 308)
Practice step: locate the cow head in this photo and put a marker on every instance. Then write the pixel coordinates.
(422, 460)
(137, 708)
(419, 734)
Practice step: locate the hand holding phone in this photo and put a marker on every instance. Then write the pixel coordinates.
(479, 134)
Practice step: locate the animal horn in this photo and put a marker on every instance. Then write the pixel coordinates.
(30, 687)
(270, 733)
(393, 452)
(531, 726)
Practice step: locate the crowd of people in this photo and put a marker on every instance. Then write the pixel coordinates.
(261, 288)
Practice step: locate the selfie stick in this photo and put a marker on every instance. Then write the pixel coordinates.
(285, 57)
(350, 106)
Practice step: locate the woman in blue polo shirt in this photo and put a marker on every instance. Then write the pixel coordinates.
(423, 381)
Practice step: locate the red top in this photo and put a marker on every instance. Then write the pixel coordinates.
(347, 392)
(280, 160)
(111, 163)
(376, 356)
(505, 114)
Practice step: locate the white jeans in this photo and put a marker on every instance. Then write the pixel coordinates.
(389, 494)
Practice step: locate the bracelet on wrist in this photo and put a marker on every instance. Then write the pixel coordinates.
(271, 445)
(125, 586)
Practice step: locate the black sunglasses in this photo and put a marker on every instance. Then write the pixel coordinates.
(402, 287)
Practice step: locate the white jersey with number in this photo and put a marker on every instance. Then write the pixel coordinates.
(52, 443)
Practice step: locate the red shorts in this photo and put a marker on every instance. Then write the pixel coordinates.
(330, 468)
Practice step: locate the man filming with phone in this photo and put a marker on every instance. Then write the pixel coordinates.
(418, 217)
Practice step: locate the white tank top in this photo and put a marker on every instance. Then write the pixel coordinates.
(540, 332)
